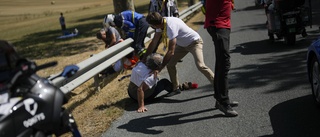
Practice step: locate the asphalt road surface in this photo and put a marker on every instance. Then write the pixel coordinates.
(269, 80)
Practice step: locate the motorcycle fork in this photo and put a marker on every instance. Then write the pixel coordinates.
(68, 124)
(71, 124)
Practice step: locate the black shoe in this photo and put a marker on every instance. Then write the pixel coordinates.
(227, 110)
(176, 92)
(232, 104)
(180, 60)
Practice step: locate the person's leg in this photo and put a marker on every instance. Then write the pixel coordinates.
(196, 50)
(221, 43)
(140, 34)
(221, 39)
(163, 84)
(179, 53)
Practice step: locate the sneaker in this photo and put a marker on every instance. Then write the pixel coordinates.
(176, 92)
(227, 110)
(232, 104)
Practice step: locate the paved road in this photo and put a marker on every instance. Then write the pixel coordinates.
(269, 81)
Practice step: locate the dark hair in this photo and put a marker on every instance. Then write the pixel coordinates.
(99, 35)
(154, 18)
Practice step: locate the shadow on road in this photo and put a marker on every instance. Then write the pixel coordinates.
(295, 118)
(145, 124)
(286, 65)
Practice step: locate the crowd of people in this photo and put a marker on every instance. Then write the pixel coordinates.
(178, 40)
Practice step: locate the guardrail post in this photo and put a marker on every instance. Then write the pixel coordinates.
(97, 82)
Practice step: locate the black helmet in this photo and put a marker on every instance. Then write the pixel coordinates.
(8, 61)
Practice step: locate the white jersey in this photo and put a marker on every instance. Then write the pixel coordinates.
(176, 28)
(141, 73)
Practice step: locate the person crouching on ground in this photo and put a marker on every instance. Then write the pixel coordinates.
(144, 82)
(134, 25)
(110, 36)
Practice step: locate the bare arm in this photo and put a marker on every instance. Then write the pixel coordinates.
(113, 40)
(140, 92)
(152, 45)
(170, 53)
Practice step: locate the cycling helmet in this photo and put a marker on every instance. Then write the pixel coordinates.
(8, 61)
(118, 21)
(108, 21)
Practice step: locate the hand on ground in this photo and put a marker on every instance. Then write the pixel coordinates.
(142, 109)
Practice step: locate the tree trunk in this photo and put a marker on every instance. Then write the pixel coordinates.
(122, 5)
(191, 2)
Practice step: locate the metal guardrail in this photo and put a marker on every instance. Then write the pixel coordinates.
(92, 66)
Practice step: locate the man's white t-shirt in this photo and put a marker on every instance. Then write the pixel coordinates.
(141, 73)
(176, 28)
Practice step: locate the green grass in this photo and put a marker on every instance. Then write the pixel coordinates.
(33, 25)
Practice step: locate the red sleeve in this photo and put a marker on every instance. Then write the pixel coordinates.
(212, 11)
(218, 13)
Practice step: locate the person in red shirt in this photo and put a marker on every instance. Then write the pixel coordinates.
(218, 25)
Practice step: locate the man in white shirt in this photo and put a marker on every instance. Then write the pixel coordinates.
(166, 8)
(182, 40)
(144, 83)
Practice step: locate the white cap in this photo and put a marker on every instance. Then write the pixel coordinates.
(107, 20)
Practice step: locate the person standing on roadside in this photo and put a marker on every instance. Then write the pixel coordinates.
(218, 25)
(182, 40)
(62, 23)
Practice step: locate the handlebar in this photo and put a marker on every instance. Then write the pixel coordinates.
(29, 68)
(47, 65)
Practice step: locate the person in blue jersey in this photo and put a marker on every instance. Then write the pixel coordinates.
(134, 25)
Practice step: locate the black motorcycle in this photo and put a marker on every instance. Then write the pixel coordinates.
(32, 107)
(288, 19)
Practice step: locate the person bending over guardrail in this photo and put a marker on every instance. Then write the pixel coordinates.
(134, 25)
